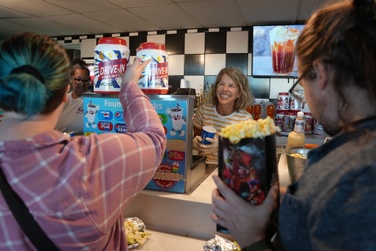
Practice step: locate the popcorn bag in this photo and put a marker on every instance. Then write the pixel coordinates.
(247, 160)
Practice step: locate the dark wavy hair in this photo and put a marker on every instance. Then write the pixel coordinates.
(79, 64)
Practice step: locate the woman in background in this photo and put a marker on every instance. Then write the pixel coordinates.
(75, 187)
(230, 96)
(72, 116)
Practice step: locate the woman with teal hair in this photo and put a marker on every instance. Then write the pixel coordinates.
(76, 188)
(32, 82)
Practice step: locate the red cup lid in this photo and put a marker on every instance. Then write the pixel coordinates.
(151, 45)
(112, 40)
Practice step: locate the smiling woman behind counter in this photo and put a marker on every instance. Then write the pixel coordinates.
(230, 96)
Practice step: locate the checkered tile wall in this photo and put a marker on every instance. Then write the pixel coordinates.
(197, 55)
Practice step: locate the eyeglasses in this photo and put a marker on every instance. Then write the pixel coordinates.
(297, 91)
(80, 80)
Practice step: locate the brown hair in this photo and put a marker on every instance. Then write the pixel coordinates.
(343, 36)
(79, 64)
(246, 96)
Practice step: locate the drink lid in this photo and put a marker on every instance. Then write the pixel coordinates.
(300, 114)
(209, 129)
(151, 45)
(112, 40)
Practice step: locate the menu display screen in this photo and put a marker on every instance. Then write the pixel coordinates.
(274, 50)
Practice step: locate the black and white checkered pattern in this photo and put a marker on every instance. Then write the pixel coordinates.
(197, 55)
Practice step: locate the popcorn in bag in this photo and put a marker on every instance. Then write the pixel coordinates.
(247, 160)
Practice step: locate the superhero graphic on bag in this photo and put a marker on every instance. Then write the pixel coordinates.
(242, 163)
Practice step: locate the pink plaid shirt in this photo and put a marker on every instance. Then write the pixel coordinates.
(77, 188)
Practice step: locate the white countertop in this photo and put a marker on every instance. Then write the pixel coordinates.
(183, 214)
(159, 241)
(180, 214)
(182, 221)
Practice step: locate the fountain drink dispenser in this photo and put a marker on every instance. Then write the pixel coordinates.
(179, 172)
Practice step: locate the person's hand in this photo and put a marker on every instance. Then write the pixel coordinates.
(196, 143)
(212, 147)
(205, 149)
(282, 192)
(246, 222)
(133, 72)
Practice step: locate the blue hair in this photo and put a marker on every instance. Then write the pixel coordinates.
(31, 93)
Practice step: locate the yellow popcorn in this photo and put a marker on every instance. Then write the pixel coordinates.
(134, 234)
(249, 129)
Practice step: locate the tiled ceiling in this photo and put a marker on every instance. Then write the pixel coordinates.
(78, 17)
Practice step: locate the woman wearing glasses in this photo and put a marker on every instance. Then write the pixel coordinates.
(71, 118)
(332, 206)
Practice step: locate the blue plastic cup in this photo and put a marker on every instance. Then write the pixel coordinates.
(207, 132)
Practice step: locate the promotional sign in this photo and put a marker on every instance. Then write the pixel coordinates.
(104, 114)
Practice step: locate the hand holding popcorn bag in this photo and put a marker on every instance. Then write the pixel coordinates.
(247, 160)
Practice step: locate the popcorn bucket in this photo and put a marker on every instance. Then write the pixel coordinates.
(247, 161)
(249, 167)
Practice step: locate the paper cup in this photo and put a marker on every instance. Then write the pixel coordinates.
(184, 83)
(296, 160)
(207, 132)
